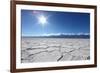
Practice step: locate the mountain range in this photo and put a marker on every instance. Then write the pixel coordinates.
(62, 36)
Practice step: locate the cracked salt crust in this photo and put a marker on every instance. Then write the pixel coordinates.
(52, 49)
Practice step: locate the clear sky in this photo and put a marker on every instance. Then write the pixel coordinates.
(37, 23)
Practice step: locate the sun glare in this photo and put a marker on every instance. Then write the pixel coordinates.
(42, 20)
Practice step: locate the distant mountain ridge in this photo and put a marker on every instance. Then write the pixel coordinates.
(62, 36)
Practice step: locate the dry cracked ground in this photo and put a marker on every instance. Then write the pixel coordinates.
(54, 49)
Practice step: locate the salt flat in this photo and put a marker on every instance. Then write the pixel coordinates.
(54, 49)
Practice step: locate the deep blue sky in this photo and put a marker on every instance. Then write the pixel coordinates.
(57, 22)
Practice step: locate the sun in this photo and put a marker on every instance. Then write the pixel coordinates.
(42, 20)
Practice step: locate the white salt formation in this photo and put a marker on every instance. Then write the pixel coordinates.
(54, 49)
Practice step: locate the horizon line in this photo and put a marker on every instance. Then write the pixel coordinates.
(59, 34)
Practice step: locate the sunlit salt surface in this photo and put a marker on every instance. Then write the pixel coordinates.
(54, 49)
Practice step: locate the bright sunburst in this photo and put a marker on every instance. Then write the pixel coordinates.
(42, 20)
